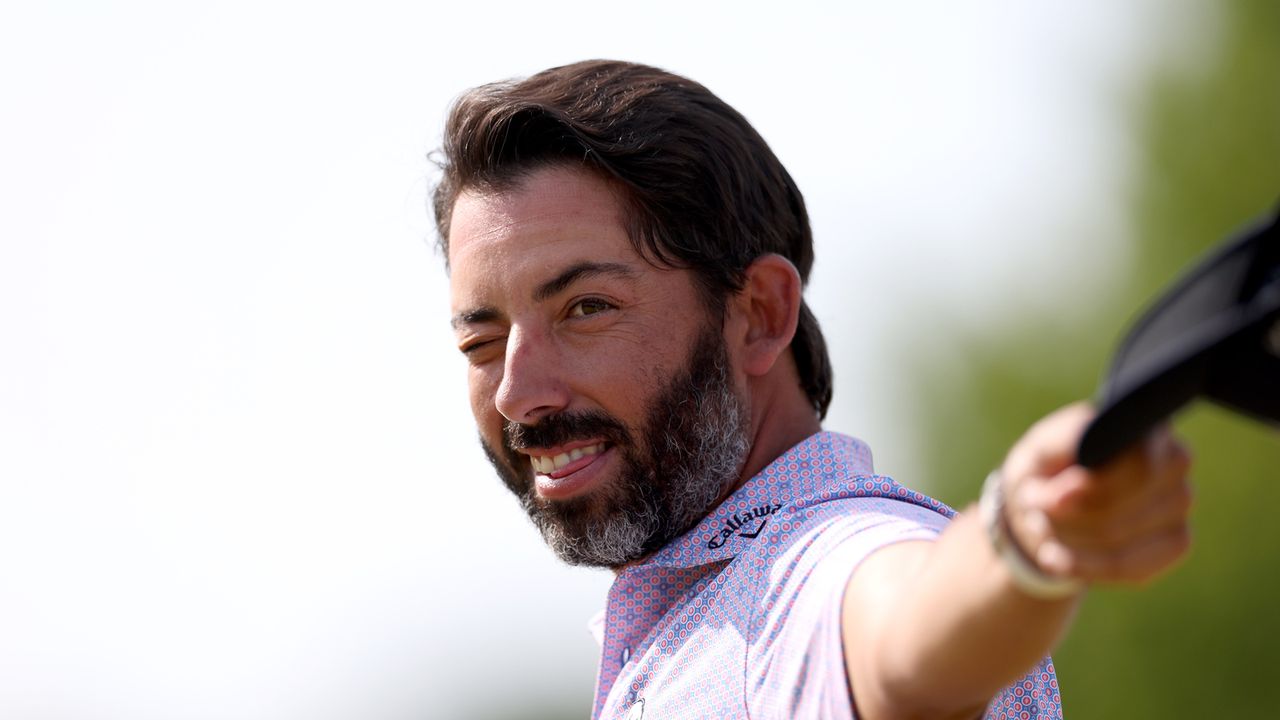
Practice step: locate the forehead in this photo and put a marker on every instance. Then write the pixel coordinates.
(554, 194)
(553, 217)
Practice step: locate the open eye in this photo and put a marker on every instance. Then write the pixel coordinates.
(589, 306)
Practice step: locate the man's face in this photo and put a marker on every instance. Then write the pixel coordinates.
(600, 383)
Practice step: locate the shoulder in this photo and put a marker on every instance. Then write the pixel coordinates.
(795, 658)
(810, 551)
(852, 525)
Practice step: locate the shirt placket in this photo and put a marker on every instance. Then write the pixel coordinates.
(629, 619)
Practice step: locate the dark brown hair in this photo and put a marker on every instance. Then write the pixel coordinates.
(701, 188)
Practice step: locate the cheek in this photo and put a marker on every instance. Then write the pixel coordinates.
(482, 387)
(629, 392)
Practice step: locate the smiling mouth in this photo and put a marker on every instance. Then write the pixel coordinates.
(550, 464)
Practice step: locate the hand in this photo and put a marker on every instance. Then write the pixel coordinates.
(1125, 522)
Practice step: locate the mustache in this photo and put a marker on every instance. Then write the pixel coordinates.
(565, 427)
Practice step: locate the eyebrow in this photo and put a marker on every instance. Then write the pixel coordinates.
(578, 272)
(547, 289)
(473, 317)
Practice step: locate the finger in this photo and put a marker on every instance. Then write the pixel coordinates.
(1126, 524)
(1049, 446)
(1136, 563)
(1158, 451)
(1135, 480)
(1069, 509)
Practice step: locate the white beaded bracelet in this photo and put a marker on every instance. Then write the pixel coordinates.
(1026, 575)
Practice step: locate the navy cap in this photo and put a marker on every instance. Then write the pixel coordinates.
(1215, 333)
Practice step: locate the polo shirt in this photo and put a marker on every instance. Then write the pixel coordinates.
(740, 617)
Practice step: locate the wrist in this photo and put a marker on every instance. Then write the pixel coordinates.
(1023, 571)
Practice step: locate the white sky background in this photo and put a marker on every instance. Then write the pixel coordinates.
(238, 477)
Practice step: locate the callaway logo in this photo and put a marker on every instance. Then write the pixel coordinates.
(736, 523)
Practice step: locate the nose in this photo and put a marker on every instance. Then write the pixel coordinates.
(532, 383)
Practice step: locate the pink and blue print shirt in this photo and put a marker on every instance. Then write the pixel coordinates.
(740, 617)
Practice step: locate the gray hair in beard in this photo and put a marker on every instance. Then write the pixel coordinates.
(697, 442)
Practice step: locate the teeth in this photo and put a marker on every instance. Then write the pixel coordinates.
(547, 464)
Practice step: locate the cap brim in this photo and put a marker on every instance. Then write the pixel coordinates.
(1213, 333)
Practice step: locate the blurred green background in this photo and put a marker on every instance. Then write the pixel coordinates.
(1198, 642)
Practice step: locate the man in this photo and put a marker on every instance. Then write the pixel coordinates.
(627, 259)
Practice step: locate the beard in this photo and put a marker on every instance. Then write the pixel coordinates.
(689, 451)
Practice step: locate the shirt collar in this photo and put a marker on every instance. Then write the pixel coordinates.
(822, 462)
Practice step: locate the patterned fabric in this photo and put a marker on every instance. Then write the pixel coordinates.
(740, 617)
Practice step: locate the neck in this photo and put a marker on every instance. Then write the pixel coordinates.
(779, 421)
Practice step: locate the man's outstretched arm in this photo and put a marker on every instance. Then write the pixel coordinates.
(935, 629)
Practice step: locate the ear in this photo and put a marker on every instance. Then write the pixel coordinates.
(769, 308)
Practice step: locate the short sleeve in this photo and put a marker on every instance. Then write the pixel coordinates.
(795, 663)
